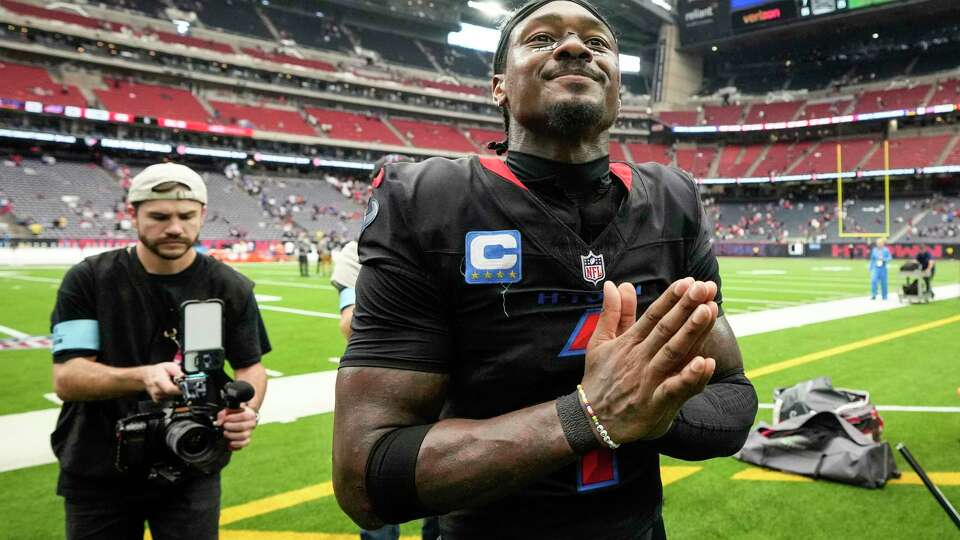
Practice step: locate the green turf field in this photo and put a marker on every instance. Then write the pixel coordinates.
(279, 487)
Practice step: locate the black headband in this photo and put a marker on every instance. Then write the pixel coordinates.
(500, 58)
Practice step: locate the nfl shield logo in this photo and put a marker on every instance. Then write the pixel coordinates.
(592, 267)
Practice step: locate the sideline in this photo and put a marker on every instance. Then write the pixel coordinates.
(848, 347)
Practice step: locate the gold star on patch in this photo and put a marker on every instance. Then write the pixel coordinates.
(487, 275)
(475, 275)
(513, 275)
(500, 275)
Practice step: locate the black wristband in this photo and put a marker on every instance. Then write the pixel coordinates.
(575, 424)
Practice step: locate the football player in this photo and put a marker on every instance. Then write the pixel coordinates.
(496, 374)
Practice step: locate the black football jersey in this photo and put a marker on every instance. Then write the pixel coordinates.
(467, 273)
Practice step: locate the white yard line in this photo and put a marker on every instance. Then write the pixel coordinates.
(759, 301)
(760, 322)
(28, 278)
(900, 408)
(293, 284)
(782, 290)
(13, 333)
(300, 312)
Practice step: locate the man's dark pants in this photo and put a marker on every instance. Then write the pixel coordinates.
(190, 511)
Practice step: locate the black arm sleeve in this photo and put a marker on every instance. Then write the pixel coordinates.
(714, 423)
(399, 317)
(701, 262)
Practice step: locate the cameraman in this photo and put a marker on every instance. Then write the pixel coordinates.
(117, 344)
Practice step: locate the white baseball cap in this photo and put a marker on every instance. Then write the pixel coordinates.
(143, 187)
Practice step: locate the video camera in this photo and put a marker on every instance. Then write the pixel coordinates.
(171, 439)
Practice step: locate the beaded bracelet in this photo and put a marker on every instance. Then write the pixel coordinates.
(596, 421)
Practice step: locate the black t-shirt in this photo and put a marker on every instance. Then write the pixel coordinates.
(924, 259)
(110, 308)
(465, 271)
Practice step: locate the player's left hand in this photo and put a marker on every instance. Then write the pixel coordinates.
(238, 425)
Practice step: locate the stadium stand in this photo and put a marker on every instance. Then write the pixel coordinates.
(231, 15)
(312, 30)
(263, 118)
(823, 157)
(886, 100)
(696, 161)
(32, 83)
(29, 10)
(780, 157)
(723, 115)
(947, 92)
(910, 152)
(393, 48)
(824, 110)
(280, 58)
(353, 126)
(199, 43)
(643, 153)
(617, 152)
(679, 118)
(433, 135)
(459, 60)
(151, 100)
(481, 137)
(773, 112)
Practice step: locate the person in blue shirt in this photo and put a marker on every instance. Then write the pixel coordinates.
(928, 265)
(879, 259)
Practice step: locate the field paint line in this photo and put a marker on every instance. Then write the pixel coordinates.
(768, 475)
(273, 373)
(760, 301)
(673, 473)
(726, 287)
(290, 398)
(841, 349)
(13, 333)
(906, 478)
(229, 534)
(267, 298)
(301, 312)
(939, 478)
(748, 324)
(275, 502)
(334, 359)
(28, 278)
(293, 284)
(53, 398)
(900, 408)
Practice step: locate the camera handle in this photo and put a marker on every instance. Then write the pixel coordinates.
(237, 392)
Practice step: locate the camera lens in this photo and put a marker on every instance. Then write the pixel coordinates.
(191, 441)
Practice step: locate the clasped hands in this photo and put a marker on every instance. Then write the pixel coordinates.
(639, 372)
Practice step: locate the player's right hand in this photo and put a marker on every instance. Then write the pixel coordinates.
(638, 373)
(158, 380)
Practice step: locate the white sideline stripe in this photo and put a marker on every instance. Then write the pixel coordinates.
(334, 359)
(899, 408)
(13, 333)
(289, 399)
(726, 287)
(293, 284)
(53, 398)
(28, 278)
(300, 312)
(771, 320)
(273, 373)
(760, 301)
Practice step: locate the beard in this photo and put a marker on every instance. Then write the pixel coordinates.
(574, 119)
(154, 246)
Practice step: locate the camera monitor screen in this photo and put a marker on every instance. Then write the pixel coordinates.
(202, 326)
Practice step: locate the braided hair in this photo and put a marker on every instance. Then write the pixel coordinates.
(500, 58)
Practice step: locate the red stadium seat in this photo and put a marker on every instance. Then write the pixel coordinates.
(911, 152)
(766, 113)
(262, 118)
(151, 100)
(719, 116)
(483, 136)
(643, 153)
(432, 135)
(198, 43)
(823, 159)
(287, 59)
(31, 83)
(947, 93)
(780, 157)
(28, 10)
(679, 118)
(891, 100)
(352, 126)
(696, 161)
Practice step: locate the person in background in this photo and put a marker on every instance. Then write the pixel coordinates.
(879, 258)
(928, 266)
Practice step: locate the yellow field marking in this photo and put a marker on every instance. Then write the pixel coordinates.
(671, 474)
(227, 534)
(768, 475)
(275, 502)
(939, 478)
(841, 349)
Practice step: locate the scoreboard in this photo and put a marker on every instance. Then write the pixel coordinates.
(703, 21)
